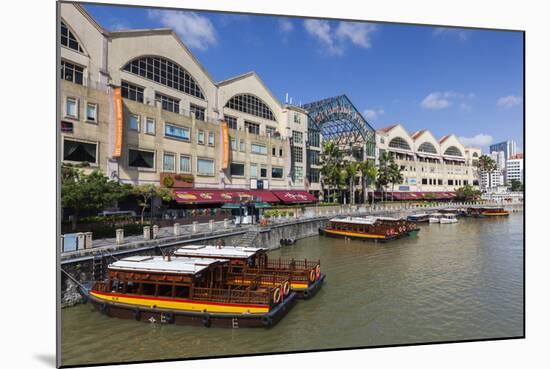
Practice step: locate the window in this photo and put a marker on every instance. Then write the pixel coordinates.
(253, 170)
(298, 174)
(270, 131)
(181, 133)
(185, 163)
(476, 182)
(258, 149)
(252, 127)
(440, 182)
(450, 182)
(141, 159)
(263, 172)
(427, 147)
(91, 112)
(169, 162)
(424, 181)
(297, 118)
(198, 112)
(297, 137)
(465, 182)
(71, 107)
(166, 73)
(280, 151)
(273, 151)
(134, 122)
(210, 138)
(68, 39)
(314, 157)
(314, 175)
(150, 126)
(453, 150)
(399, 143)
(236, 169)
(276, 172)
(168, 103)
(233, 144)
(79, 151)
(251, 105)
(205, 166)
(131, 92)
(72, 72)
(200, 138)
(314, 138)
(231, 122)
(242, 146)
(297, 155)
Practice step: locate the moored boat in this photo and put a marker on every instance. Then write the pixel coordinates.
(247, 263)
(193, 291)
(435, 217)
(485, 212)
(369, 228)
(419, 218)
(448, 219)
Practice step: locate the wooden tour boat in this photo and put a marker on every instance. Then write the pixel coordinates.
(370, 228)
(419, 218)
(485, 212)
(195, 291)
(246, 263)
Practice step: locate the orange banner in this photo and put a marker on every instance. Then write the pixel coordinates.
(225, 145)
(118, 123)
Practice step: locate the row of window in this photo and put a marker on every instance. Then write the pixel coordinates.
(400, 143)
(250, 104)
(439, 182)
(171, 130)
(72, 109)
(238, 169)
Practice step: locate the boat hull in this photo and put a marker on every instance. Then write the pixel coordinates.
(309, 292)
(357, 235)
(189, 317)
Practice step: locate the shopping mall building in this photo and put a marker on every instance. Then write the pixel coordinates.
(140, 107)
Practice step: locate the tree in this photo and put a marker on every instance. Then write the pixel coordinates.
(383, 171)
(351, 170)
(467, 193)
(80, 191)
(486, 164)
(515, 185)
(145, 193)
(368, 177)
(331, 159)
(395, 175)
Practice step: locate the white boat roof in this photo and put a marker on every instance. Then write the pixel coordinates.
(355, 220)
(159, 264)
(229, 252)
(435, 214)
(419, 215)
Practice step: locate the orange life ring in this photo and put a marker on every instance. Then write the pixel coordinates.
(286, 288)
(318, 271)
(312, 275)
(276, 296)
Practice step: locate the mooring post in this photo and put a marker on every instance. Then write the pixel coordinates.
(177, 229)
(225, 223)
(119, 236)
(211, 225)
(147, 232)
(88, 242)
(155, 231)
(80, 241)
(195, 226)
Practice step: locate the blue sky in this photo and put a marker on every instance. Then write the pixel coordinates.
(466, 82)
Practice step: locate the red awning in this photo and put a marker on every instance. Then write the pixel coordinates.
(214, 196)
(295, 197)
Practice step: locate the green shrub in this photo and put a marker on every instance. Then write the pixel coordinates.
(168, 181)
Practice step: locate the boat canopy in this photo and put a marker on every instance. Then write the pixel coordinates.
(232, 252)
(159, 264)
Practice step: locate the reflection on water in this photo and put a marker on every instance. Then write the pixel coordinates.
(451, 282)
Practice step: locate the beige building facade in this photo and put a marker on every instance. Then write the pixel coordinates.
(172, 114)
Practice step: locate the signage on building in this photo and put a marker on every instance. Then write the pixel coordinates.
(412, 181)
(259, 184)
(225, 145)
(118, 123)
(404, 188)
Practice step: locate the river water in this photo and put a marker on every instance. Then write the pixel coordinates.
(452, 282)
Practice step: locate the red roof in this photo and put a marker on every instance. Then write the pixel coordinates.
(388, 128)
(295, 196)
(417, 134)
(444, 138)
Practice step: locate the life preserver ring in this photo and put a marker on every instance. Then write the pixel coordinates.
(286, 288)
(318, 271)
(312, 275)
(276, 296)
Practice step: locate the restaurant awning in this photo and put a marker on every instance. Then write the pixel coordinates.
(215, 196)
(295, 197)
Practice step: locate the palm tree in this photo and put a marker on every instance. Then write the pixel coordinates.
(486, 164)
(368, 177)
(331, 158)
(383, 171)
(395, 175)
(351, 170)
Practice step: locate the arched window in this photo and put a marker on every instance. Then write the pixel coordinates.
(166, 73)
(399, 143)
(251, 105)
(427, 147)
(68, 39)
(475, 155)
(453, 150)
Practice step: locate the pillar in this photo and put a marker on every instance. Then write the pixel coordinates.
(88, 243)
(147, 232)
(195, 226)
(177, 229)
(119, 236)
(225, 223)
(211, 225)
(80, 241)
(155, 231)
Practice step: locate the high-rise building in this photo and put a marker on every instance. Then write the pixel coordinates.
(508, 147)
(514, 168)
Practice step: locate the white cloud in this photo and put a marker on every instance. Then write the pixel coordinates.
(285, 25)
(435, 101)
(460, 34)
(334, 39)
(478, 140)
(373, 114)
(196, 31)
(509, 101)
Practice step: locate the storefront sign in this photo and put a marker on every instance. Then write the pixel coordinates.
(225, 145)
(412, 181)
(118, 123)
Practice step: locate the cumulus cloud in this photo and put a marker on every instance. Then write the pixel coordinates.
(285, 25)
(441, 100)
(508, 101)
(333, 39)
(478, 140)
(195, 30)
(460, 34)
(373, 114)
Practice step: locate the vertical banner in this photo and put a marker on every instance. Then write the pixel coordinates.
(118, 123)
(225, 145)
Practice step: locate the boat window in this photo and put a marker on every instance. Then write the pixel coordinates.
(148, 288)
(165, 290)
(182, 291)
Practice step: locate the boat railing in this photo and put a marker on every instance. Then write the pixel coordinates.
(257, 278)
(292, 264)
(234, 295)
